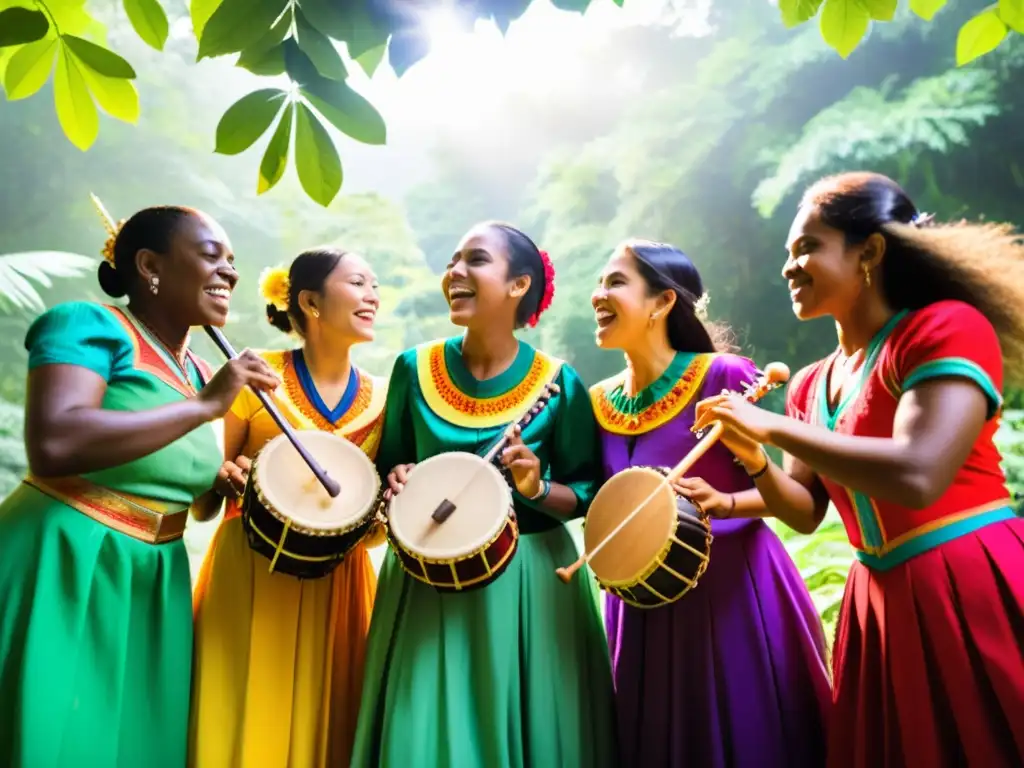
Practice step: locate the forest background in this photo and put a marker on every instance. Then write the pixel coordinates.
(687, 121)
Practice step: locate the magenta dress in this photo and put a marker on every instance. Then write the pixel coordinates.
(734, 674)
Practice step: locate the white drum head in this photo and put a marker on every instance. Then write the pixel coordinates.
(290, 487)
(482, 501)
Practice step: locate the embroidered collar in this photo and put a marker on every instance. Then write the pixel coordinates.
(653, 406)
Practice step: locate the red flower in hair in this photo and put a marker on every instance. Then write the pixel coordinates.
(549, 289)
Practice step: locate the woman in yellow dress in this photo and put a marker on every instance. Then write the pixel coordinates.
(279, 661)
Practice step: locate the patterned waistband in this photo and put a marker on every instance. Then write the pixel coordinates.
(933, 534)
(148, 520)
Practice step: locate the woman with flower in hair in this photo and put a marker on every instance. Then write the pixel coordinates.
(516, 673)
(95, 620)
(896, 429)
(744, 652)
(278, 660)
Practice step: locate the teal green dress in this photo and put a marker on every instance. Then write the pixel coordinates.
(515, 674)
(95, 625)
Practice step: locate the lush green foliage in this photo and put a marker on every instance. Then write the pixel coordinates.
(298, 43)
(710, 153)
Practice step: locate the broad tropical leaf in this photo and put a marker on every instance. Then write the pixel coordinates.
(18, 272)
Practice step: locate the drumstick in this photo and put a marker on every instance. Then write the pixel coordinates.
(774, 375)
(447, 506)
(330, 485)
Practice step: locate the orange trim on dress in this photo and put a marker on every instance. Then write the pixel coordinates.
(612, 420)
(149, 360)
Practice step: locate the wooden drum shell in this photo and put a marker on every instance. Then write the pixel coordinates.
(304, 552)
(478, 565)
(666, 552)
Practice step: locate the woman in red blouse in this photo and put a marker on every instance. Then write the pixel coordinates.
(896, 429)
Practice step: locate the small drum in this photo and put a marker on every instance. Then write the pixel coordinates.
(474, 543)
(659, 555)
(289, 517)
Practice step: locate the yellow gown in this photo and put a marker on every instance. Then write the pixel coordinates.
(278, 664)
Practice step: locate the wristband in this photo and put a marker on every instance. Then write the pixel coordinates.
(545, 489)
(762, 470)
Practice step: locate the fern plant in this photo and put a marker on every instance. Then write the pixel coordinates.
(869, 125)
(18, 272)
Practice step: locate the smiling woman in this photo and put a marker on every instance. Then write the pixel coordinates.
(279, 661)
(95, 630)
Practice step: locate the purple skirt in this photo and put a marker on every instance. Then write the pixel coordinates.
(734, 674)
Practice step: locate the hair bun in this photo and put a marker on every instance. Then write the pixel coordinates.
(280, 319)
(110, 280)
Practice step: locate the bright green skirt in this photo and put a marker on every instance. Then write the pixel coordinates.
(95, 642)
(514, 675)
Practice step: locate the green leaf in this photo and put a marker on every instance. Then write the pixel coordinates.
(796, 12)
(75, 108)
(275, 158)
(17, 269)
(201, 11)
(319, 49)
(844, 24)
(349, 21)
(266, 56)
(21, 25)
(237, 24)
(347, 111)
(927, 9)
(1012, 14)
(98, 59)
(881, 10)
(248, 119)
(29, 69)
(979, 36)
(265, 63)
(116, 96)
(316, 159)
(149, 20)
(371, 59)
(297, 64)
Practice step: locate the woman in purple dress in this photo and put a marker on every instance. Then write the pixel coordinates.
(734, 673)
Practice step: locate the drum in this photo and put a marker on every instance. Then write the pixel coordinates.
(288, 516)
(659, 555)
(475, 542)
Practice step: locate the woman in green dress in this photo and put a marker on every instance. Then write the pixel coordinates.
(96, 614)
(516, 673)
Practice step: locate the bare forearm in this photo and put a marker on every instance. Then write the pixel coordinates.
(207, 506)
(91, 439)
(787, 500)
(561, 502)
(881, 468)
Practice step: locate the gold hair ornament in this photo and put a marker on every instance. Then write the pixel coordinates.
(274, 287)
(112, 227)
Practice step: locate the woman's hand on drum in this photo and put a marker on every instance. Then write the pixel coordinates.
(712, 501)
(248, 369)
(231, 478)
(396, 479)
(524, 465)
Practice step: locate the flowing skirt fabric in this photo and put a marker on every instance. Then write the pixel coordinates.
(95, 641)
(734, 674)
(929, 658)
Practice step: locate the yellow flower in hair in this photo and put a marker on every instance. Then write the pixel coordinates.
(274, 287)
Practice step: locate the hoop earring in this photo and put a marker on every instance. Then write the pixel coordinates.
(154, 285)
(867, 275)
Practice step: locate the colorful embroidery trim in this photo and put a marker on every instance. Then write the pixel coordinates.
(148, 359)
(612, 420)
(368, 402)
(456, 407)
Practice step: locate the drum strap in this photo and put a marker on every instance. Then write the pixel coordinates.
(148, 520)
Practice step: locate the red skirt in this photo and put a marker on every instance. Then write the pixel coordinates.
(928, 664)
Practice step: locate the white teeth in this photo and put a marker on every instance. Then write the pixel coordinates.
(460, 293)
(222, 293)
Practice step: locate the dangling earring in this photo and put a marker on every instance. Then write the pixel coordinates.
(314, 312)
(154, 285)
(867, 275)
